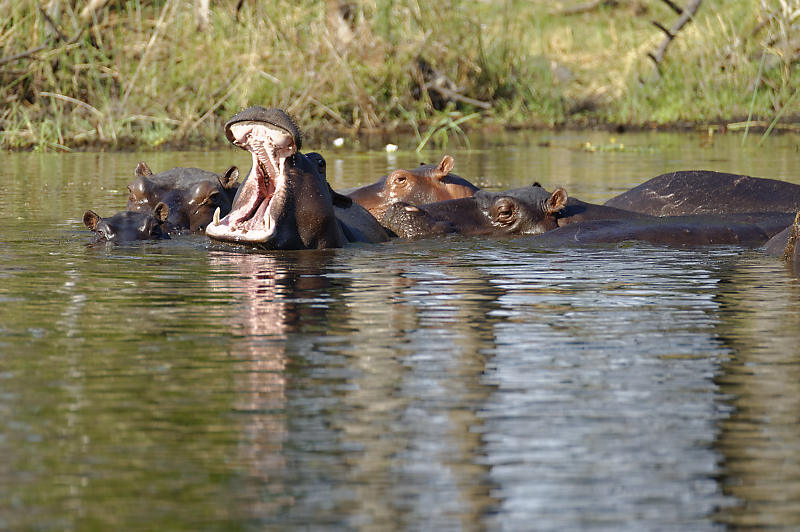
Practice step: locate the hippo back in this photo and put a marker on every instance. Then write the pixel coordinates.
(706, 192)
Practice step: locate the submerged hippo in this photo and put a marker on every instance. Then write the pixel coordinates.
(191, 194)
(705, 192)
(522, 211)
(128, 226)
(534, 211)
(784, 244)
(676, 231)
(284, 202)
(427, 183)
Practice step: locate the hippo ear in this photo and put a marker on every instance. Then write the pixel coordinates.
(536, 184)
(445, 166)
(161, 211)
(142, 170)
(229, 178)
(90, 219)
(340, 200)
(556, 201)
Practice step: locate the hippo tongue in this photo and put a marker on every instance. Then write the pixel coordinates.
(270, 147)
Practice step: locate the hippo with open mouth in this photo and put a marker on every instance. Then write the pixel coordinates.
(285, 202)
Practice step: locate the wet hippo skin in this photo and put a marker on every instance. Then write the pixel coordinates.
(784, 244)
(285, 202)
(428, 183)
(706, 192)
(129, 226)
(534, 211)
(674, 231)
(191, 194)
(520, 211)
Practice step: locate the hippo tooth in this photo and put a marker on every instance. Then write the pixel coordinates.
(216, 216)
(244, 230)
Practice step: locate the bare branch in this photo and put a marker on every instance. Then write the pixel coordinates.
(684, 19)
(453, 95)
(662, 28)
(676, 8)
(88, 12)
(21, 55)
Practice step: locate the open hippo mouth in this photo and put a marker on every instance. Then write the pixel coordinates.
(272, 138)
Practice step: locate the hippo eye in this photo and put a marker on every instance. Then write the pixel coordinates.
(504, 211)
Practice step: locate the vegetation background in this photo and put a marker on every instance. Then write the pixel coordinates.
(150, 73)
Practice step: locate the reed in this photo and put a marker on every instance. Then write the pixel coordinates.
(155, 73)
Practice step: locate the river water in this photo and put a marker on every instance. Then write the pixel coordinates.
(451, 384)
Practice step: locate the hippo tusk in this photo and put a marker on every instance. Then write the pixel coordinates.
(216, 217)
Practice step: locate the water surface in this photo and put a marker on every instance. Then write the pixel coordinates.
(452, 384)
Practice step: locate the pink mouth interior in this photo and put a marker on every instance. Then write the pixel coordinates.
(270, 148)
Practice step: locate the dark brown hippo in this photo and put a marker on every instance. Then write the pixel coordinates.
(522, 211)
(534, 211)
(191, 194)
(675, 231)
(784, 244)
(284, 202)
(706, 192)
(428, 183)
(128, 226)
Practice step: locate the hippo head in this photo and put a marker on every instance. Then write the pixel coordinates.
(139, 189)
(128, 226)
(191, 194)
(205, 197)
(523, 211)
(428, 183)
(410, 221)
(284, 203)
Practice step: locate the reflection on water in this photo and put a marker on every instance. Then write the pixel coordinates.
(450, 384)
(761, 440)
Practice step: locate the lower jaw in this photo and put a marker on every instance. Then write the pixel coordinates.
(224, 233)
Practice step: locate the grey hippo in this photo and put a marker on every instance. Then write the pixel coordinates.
(128, 226)
(192, 194)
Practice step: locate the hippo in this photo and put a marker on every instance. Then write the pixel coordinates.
(285, 202)
(428, 183)
(127, 226)
(192, 194)
(527, 210)
(534, 211)
(674, 231)
(706, 192)
(784, 244)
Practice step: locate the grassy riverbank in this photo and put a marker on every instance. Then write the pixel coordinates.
(139, 73)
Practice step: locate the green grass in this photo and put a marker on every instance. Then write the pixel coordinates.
(143, 74)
